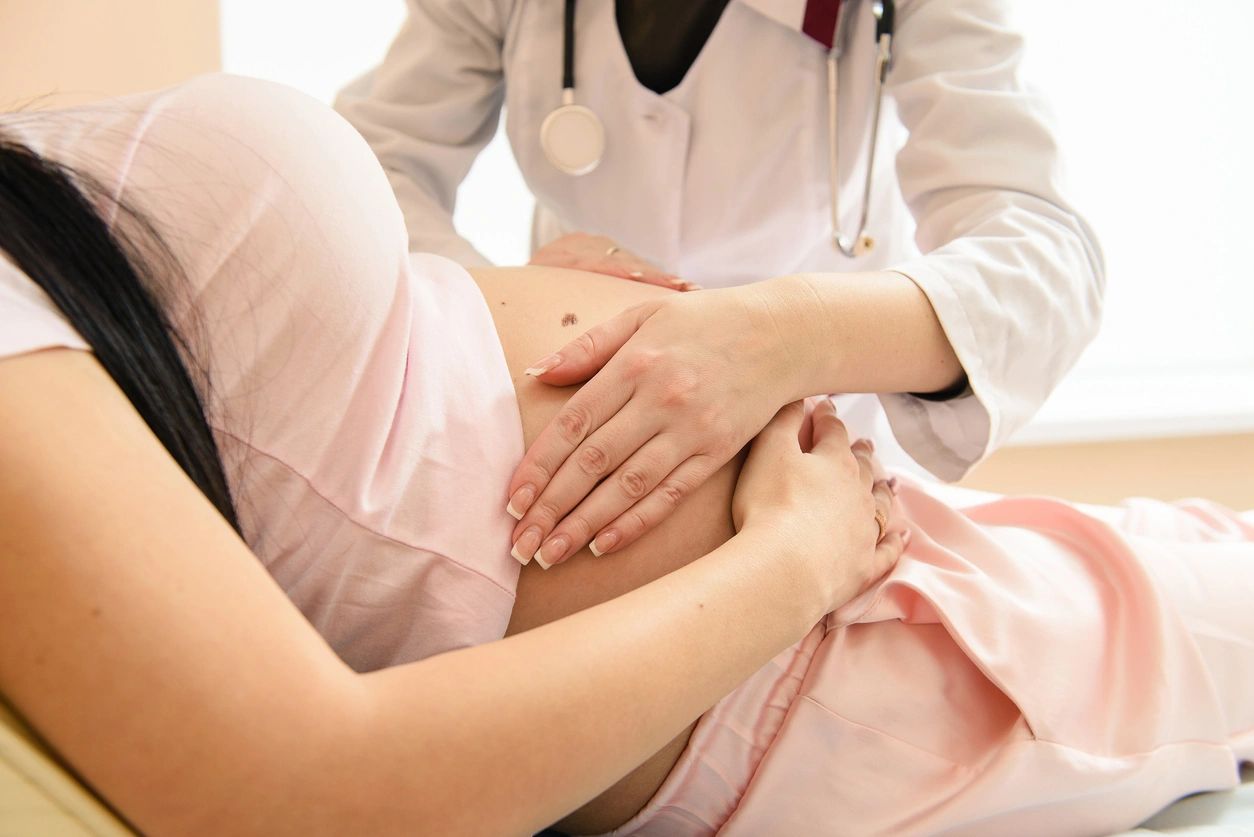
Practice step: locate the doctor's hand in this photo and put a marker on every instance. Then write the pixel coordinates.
(683, 384)
(598, 254)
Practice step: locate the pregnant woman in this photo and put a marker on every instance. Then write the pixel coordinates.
(757, 664)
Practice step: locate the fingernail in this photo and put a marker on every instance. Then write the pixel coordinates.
(553, 552)
(541, 366)
(692, 286)
(521, 501)
(526, 545)
(905, 538)
(603, 543)
(635, 274)
(676, 282)
(893, 485)
(870, 444)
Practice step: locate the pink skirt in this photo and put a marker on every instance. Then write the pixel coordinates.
(1029, 667)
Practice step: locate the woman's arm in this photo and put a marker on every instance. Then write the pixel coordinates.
(149, 647)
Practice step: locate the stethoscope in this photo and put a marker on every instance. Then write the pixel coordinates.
(573, 138)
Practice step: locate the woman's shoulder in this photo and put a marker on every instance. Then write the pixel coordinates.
(275, 147)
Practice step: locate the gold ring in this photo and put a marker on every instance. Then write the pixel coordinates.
(612, 250)
(881, 520)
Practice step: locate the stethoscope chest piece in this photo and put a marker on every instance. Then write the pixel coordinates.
(573, 139)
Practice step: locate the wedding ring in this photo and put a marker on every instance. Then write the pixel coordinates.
(881, 520)
(614, 248)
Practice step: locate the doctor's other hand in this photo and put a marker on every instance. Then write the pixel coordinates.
(820, 500)
(598, 254)
(678, 386)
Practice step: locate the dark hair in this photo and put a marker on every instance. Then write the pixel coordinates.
(52, 232)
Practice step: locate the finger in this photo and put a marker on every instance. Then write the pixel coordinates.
(626, 265)
(581, 358)
(625, 435)
(782, 433)
(582, 415)
(806, 437)
(862, 451)
(658, 505)
(887, 553)
(640, 474)
(830, 435)
(883, 505)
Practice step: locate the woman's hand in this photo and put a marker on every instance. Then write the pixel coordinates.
(687, 382)
(821, 503)
(598, 254)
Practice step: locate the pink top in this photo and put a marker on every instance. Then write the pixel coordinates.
(359, 393)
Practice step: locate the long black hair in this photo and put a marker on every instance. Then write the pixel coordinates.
(52, 232)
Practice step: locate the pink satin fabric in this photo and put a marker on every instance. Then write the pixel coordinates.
(1029, 667)
(358, 393)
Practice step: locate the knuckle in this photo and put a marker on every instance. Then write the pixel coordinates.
(593, 461)
(585, 343)
(642, 361)
(573, 424)
(636, 522)
(633, 482)
(579, 529)
(678, 390)
(544, 512)
(672, 491)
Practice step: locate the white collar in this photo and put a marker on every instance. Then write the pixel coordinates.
(789, 13)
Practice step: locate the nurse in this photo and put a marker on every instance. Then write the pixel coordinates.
(731, 145)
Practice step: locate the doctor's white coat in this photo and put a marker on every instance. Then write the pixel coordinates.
(723, 180)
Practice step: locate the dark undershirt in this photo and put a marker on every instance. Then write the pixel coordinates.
(663, 38)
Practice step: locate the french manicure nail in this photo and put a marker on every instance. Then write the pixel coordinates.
(520, 558)
(553, 551)
(526, 545)
(636, 274)
(603, 543)
(521, 501)
(541, 366)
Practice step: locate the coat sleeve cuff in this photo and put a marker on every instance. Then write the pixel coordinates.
(946, 437)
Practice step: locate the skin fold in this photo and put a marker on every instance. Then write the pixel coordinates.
(529, 307)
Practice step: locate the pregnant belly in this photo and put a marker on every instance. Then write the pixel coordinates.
(537, 310)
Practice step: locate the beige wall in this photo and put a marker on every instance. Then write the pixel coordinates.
(79, 50)
(1216, 467)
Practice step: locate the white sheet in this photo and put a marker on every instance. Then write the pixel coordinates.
(1211, 814)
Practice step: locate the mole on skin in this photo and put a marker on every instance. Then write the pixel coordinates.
(570, 320)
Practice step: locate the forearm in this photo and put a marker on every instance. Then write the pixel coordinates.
(508, 737)
(861, 332)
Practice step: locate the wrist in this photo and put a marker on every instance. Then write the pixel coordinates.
(869, 332)
(806, 587)
(787, 305)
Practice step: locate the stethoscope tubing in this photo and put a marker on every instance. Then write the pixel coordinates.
(855, 246)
